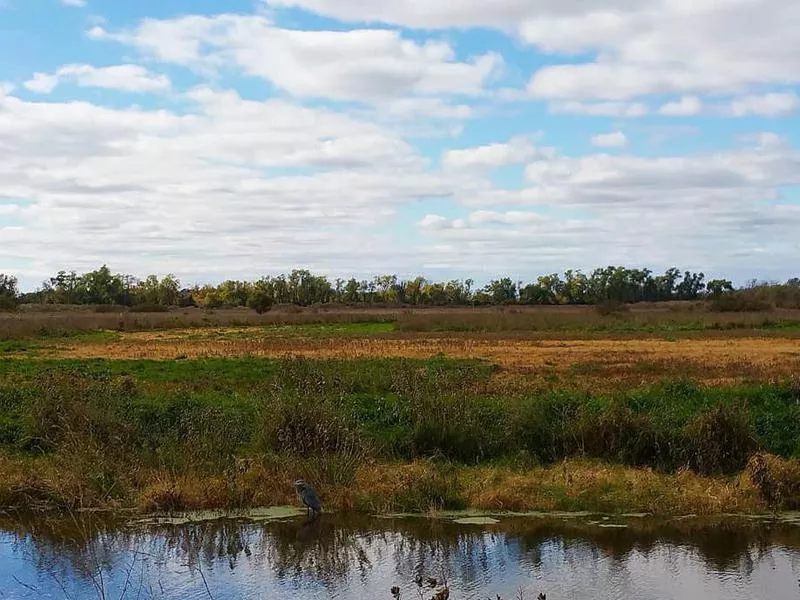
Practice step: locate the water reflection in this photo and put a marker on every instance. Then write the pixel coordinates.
(360, 557)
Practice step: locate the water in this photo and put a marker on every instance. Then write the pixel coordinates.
(349, 557)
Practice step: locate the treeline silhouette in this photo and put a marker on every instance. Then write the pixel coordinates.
(612, 284)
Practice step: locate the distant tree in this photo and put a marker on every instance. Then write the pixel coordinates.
(501, 291)
(9, 293)
(691, 287)
(718, 287)
(351, 289)
(260, 299)
(102, 287)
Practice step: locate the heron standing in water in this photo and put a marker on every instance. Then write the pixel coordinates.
(308, 496)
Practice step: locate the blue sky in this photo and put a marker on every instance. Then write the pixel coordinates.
(356, 137)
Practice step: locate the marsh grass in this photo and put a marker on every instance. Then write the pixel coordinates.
(644, 318)
(143, 432)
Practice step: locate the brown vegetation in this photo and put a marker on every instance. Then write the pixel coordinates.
(642, 319)
(614, 362)
(419, 486)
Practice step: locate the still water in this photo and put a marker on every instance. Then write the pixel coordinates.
(567, 557)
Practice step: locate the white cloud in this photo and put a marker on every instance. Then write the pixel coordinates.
(225, 189)
(664, 47)
(709, 212)
(410, 108)
(74, 3)
(127, 78)
(419, 13)
(600, 109)
(360, 65)
(668, 48)
(615, 139)
(515, 151)
(42, 83)
(686, 106)
(766, 105)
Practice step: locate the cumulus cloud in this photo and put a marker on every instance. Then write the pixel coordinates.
(667, 48)
(360, 65)
(686, 106)
(74, 3)
(765, 105)
(126, 78)
(515, 151)
(226, 186)
(600, 109)
(705, 211)
(662, 47)
(615, 139)
(231, 185)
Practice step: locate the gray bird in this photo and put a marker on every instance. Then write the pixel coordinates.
(308, 496)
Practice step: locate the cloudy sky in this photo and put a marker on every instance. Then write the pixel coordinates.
(440, 137)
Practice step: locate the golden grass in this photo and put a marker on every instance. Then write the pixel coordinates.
(589, 362)
(575, 485)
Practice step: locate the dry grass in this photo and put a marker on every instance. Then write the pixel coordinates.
(57, 320)
(588, 362)
(678, 317)
(574, 485)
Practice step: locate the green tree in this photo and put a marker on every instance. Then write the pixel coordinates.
(102, 287)
(9, 292)
(718, 287)
(501, 291)
(260, 300)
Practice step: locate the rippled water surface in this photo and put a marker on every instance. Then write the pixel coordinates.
(567, 557)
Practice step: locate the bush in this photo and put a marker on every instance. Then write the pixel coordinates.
(149, 308)
(546, 426)
(260, 301)
(462, 428)
(77, 412)
(777, 480)
(430, 486)
(611, 307)
(742, 301)
(720, 440)
(622, 435)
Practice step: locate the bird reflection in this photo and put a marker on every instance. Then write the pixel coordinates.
(310, 529)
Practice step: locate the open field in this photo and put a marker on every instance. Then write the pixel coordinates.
(644, 318)
(621, 360)
(632, 413)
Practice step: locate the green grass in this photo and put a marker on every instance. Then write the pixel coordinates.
(108, 421)
(179, 411)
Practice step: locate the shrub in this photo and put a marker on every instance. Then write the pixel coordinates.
(720, 440)
(462, 428)
(260, 301)
(622, 435)
(149, 308)
(429, 486)
(741, 301)
(611, 307)
(546, 426)
(777, 480)
(75, 412)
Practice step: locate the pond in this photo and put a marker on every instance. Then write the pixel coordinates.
(280, 554)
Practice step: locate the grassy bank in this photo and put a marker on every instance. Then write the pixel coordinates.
(383, 434)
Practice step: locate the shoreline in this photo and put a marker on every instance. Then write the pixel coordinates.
(419, 487)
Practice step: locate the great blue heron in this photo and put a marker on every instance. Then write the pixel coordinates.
(308, 496)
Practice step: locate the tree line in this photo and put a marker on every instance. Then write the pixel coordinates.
(303, 288)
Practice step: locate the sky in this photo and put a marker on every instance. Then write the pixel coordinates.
(448, 138)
